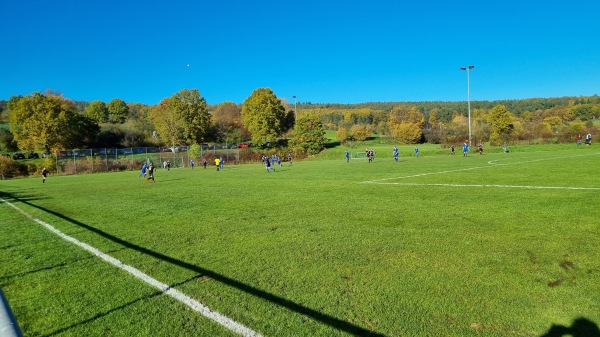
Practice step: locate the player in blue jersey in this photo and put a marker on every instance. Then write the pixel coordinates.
(347, 156)
(465, 149)
(395, 153)
(143, 173)
(417, 152)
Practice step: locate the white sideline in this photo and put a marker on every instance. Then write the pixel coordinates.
(176, 294)
(491, 163)
(498, 186)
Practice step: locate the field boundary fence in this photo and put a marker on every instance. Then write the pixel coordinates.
(74, 161)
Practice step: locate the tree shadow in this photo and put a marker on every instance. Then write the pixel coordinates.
(105, 313)
(331, 321)
(331, 145)
(581, 327)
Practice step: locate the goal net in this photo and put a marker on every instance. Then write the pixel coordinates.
(359, 155)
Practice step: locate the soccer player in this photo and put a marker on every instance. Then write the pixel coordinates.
(417, 152)
(44, 174)
(217, 163)
(395, 153)
(143, 173)
(347, 156)
(192, 163)
(465, 149)
(150, 173)
(268, 164)
(452, 149)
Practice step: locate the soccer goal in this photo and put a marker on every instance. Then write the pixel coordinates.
(359, 155)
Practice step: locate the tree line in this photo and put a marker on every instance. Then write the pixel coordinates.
(49, 121)
(494, 122)
(46, 122)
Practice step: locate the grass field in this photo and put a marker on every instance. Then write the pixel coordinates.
(491, 245)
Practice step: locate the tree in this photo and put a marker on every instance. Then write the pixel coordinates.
(361, 132)
(44, 123)
(193, 110)
(168, 122)
(194, 151)
(227, 119)
(342, 134)
(118, 111)
(405, 124)
(309, 135)
(407, 133)
(501, 120)
(97, 111)
(263, 115)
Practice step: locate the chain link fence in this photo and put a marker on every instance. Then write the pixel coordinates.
(132, 158)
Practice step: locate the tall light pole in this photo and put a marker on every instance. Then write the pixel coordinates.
(469, 97)
(294, 105)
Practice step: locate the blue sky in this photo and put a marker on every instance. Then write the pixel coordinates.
(320, 51)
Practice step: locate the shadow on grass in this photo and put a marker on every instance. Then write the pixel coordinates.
(102, 314)
(581, 327)
(333, 322)
(331, 145)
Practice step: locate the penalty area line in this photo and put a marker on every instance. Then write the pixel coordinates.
(494, 185)
(165, 288)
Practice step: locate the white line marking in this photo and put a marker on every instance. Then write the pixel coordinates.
(499, 186)
(491, 164)
(176, 294)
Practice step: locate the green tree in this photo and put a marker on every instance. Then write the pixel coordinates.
(168, 122)
(97, 111)
(263, 115)
(194, 151)
(309, 135)
(193, 110)
(118, 111)
(44, 123)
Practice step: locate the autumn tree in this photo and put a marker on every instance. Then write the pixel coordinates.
(263, 115)
(44, 123)
(227, 119)
(168, 122)
(342, 134)
(501, 120)
(361, 132)
(118, 111)
(405, 124)
(309, 135)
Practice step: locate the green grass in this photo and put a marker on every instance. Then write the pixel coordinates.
(422, 247)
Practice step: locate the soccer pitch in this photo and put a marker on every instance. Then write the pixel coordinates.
(495, 245)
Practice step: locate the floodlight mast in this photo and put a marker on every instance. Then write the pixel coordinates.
(469, 97)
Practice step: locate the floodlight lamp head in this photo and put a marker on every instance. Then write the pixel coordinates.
(471, 67)
(463, 68)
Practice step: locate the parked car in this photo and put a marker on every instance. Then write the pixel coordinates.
(33, 155)
(242, 145)
(18, 155)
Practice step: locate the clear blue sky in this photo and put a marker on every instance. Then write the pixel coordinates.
(320, 51)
